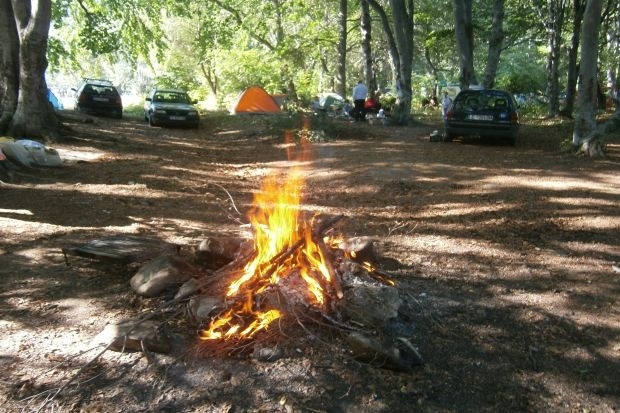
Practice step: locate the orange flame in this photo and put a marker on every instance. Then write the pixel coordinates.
(275, 219)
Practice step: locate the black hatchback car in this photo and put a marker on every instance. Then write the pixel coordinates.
(487, 113)
(98, 97)
(171, 107)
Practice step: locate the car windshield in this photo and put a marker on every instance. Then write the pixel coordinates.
(99, 89)
(171, 97)
(478, 101)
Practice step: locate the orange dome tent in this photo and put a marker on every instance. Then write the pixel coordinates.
(255, 100)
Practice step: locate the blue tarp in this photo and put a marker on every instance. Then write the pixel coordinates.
(56, 103)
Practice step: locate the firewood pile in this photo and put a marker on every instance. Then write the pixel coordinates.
(360, 303)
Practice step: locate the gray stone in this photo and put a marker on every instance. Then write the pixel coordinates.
(213, 253)
(129, 335)
(268, 353)
(161, 273)
(371, 305)
(395, 354)
(203, 307)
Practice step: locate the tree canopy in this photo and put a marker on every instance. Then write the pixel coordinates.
(216, 48)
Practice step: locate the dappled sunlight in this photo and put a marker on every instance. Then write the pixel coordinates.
(504, 257)
(15, 211)
(13, 227)
(546, 182)
(532, 304)
(464, 209)
(127, 190)
(591, 248)
(439, 245)
(577, 201)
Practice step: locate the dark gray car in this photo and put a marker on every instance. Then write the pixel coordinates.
(171, 107)
(98, 97)
(487, 113)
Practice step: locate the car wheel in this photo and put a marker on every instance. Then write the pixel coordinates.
(151, 120)
(146, 117)
(448, 137)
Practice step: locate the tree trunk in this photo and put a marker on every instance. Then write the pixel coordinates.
(366, 26)
(341, 72)
(617, 78)
(400, 44)
(34, 117)
(585, 137)
(496, 40)
(9, 65)
(555, 20)
(464, 32)
(579, 7)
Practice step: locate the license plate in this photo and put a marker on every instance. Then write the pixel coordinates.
(480, 117)
(177, 117)
(98, 99)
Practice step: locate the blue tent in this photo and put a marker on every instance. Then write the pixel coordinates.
(56, 103)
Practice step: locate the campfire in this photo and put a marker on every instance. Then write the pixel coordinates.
(291, 253)
(296, 270)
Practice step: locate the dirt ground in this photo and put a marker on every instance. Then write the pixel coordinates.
(508, 258)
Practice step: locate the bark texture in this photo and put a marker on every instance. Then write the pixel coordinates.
(586, 137)
(579, 7)
(464, 33)
(496, 40)
(366, 26)
(34, 116)
(341, 72)
(399, 36)
(9, 65)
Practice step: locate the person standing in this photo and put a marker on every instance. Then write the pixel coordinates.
(359, 98)
(445, 104)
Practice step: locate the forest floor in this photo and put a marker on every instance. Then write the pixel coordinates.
(507, 256)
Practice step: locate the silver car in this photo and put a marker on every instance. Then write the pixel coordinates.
(171, 107)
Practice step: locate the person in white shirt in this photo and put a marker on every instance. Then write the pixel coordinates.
(445, 104)
(359, 97)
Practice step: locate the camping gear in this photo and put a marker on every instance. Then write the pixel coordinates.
(54, 101)
(255, 100)
(29, 153)
(331, 101)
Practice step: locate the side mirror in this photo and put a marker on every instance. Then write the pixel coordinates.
(148, 99)
(194, 102)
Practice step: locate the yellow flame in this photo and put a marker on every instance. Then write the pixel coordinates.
(275, 219)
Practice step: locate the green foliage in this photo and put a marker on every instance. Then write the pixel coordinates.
(522, 71)
(222, 47)
(98, 34)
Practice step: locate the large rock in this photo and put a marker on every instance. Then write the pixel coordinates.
(131, 335)
(160, 274)
(213, 253)
(370, 304)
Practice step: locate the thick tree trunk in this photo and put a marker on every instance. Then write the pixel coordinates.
(496, 39)
(402, 13)
(34, 117)
(400, 45)
(585, 137)
(369, 77)
(464, 32)
(617, 79)
(341, 70)
(555, 20)
(579, 7)
(9, 65)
